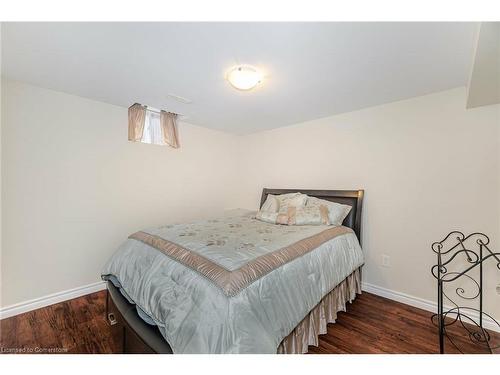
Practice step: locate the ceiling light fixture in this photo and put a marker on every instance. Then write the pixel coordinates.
(244, 77)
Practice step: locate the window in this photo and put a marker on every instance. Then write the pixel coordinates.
(151, 126)
(152, 129)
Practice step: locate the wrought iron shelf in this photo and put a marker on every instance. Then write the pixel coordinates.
(468, 253)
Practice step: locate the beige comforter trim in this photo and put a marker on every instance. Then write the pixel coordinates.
(232, 282)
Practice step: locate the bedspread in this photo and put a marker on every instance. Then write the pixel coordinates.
(231, 284)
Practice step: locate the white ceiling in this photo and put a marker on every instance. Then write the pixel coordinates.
(313, 69)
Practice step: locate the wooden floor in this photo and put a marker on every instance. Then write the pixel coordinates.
(372, 324)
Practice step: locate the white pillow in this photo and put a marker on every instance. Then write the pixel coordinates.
(336, 212)
(271, 204)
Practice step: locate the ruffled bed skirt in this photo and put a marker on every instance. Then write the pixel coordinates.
(314, 324)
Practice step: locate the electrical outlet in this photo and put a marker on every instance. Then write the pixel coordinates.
(386, 260)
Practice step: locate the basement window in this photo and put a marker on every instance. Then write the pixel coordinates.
(153, 133)
(151, 126)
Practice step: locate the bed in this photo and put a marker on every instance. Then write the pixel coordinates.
(234, 284)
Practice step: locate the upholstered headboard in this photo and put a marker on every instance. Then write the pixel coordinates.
(353, 198)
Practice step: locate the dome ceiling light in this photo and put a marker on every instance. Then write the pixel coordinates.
(244, 77)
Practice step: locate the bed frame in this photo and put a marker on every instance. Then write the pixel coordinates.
(131, 334)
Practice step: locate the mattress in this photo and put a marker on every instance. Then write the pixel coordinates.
(232, 284)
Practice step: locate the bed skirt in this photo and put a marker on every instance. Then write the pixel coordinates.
(315, 323)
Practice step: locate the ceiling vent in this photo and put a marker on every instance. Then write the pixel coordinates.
(180, 99)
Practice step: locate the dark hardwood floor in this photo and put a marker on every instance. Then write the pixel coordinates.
(372, 324)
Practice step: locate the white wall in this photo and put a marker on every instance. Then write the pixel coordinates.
(427, 165)
(484, 79)
(74, 187)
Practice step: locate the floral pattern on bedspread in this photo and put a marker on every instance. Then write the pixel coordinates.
(234, 240)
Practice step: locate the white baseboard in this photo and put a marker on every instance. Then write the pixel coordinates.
(19, 308)
(420, 303)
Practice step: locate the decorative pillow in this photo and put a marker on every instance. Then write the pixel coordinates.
(272, 217)
(275, 208)
(336, 212)
(290, 200)
(312, 215)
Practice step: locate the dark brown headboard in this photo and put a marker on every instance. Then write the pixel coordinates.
(353, 198)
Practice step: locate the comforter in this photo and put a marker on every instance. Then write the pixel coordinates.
(232, 284)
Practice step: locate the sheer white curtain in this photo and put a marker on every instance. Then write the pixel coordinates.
(152, 129)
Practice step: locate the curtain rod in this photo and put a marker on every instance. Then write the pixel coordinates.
(151, 109)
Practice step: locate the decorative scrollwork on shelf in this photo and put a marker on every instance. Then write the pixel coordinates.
(472, 250)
